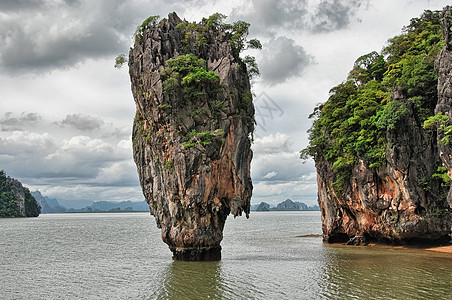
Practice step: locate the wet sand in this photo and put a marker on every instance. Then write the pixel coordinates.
(443, 249)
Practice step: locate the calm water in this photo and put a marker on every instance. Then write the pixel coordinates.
(121, 256)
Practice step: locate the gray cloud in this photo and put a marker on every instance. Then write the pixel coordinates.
(18, 5)
(54, 35)
(334, 15)
(45, 159)
(266, 16)
(282, 59)
(9, 122)
(40, 36)
(82, 122)
(271, 17)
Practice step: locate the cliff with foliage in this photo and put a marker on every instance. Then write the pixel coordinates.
(381, 169)
(16, 200)
(442, 120)
(193, 128)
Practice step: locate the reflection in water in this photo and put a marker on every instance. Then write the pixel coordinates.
(191, 280)
(121, 256)
(385, 273)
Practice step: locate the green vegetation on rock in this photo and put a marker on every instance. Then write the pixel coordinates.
(194, 36)
(186, 77)
(11, 192)
(120, 60)
(441, 122)
(151, 21)
(203, 138)
(353, 123)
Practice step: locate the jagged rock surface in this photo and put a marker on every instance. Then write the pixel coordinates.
(443, 66)
(393, 204)
(191, 189)
(16, 200)
(389, 205)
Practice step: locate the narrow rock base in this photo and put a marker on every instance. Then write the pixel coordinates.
(197, 254)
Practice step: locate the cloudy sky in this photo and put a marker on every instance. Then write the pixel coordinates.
(66, 112)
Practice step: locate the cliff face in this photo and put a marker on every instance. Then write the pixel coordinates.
(192, 131)
(16, 200)
(405, 199)
(397, 203)
(443, 66)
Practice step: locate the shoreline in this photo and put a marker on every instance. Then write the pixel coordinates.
(447, 249)
(442, 249)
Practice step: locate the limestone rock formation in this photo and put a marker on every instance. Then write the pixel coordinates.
(443, 66)
(263, 206)
(401, 198)
(15, 199)
(388, 205)
(192, 131)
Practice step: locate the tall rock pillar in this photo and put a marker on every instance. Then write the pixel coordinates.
(192, 131)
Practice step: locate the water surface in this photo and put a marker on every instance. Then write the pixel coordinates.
(121, 256)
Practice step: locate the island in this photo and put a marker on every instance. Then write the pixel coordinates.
(382, 141)
(193, 127)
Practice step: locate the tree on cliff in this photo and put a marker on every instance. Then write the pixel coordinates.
(13, 196)
(382, 174)
(353, 123)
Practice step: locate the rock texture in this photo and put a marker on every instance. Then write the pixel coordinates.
(443, 66)
(192, 154)
(390, 205)
(399, 203)
(15, 199)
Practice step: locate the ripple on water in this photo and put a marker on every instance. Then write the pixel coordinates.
(121, 256)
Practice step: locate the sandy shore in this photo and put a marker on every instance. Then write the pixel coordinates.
(443, 249)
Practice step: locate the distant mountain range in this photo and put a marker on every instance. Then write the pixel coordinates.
(287, 205)
(51, 205)
(48, 205)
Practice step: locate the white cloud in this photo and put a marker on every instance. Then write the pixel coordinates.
(71, 45)
(270, 175)
(20, 142)
(125, 144)
(269, 144)
(278, 173)
(119, 173)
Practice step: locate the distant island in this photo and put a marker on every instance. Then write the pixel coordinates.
(51, 205)
(15, 199)
(287, 205)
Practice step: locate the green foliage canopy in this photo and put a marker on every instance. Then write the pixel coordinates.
(9, 206)
(188, 73)
(353, 122)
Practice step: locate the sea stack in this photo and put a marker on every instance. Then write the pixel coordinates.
(381, 142)
(193, 129)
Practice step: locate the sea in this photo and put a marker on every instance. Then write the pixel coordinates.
(271, 255)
